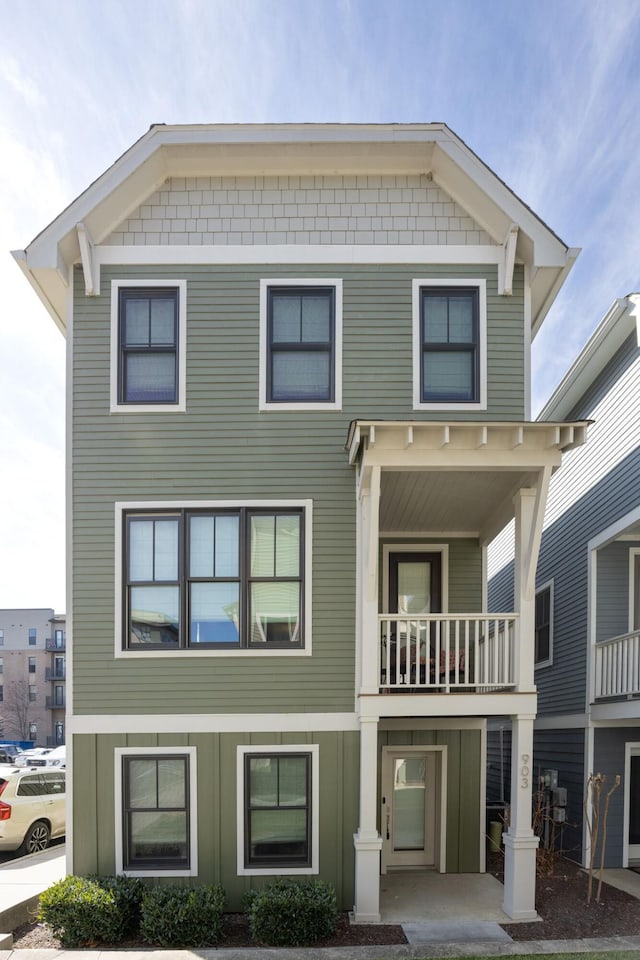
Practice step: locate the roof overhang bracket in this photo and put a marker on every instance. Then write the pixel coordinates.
(507, 262)
(90, 266)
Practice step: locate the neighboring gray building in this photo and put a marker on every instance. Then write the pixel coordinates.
(32, 675)
(588, 592)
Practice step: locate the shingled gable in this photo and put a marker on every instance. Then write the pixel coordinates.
(79, 233)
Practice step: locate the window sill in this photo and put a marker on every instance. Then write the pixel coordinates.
(276, 871)
(148, 408)
(305, 405)
(450, 405)
(245, 653)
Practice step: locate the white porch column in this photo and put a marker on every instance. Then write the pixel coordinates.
(524, 589)
(367, 840)
(369, 639)
(520, 843)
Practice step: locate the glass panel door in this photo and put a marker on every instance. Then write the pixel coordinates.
(634, 807)
(409, 807)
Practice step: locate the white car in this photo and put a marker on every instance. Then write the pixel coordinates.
(57, 757)
(32, 808)
(35, 757)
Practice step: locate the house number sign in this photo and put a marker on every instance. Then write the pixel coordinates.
(524, 771)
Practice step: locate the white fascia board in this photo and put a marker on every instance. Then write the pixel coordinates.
(618, 323)
(546, 283)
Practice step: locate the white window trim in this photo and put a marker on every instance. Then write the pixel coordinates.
(278, 748)
(336, 403)
(181, 405)
(549, 661)
(481, 403)
(190, 752)
(633, 553)
(123, 507)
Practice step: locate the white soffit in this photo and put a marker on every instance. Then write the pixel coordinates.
(297, 149)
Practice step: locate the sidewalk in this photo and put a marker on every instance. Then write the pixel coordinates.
(21, 883)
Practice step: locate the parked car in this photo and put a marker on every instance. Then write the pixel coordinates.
(9, 752)
(32, 808)
(35, 757)
(56, 758)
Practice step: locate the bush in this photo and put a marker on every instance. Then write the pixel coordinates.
(128, 893)
(288, 913)
(182, 917)
(80, 911)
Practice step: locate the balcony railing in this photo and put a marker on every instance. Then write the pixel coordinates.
(52, 644)
(617, 671)
(445, 653)
(55, 674)
(56, 703)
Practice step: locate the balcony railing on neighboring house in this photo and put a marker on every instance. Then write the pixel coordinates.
(54, 645)
(55, 674)
(445, 653)
(617, 672)
(56, 703)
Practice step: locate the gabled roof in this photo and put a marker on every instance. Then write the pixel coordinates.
(621, 319)
(296, 149)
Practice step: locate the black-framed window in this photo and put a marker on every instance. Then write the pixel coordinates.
(33, 636)
(449, 340)
(214, 579)
(33, 693)
(32, 664)
(277, 806)
(148, 345)
(155, 811)
(543, 621)
(1, 637)
(301, 347)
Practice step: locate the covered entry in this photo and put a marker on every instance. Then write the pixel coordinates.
(413, 807)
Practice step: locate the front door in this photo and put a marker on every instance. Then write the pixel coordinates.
(633, 787)
(409, 809)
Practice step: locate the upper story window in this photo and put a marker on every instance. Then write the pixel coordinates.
(216, 579)
(300, 344)
(449, 344)
(33, 636)
(32, 664)
(544, 625)
(148, 345)
(1, 637)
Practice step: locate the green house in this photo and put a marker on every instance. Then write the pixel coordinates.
(298, 410)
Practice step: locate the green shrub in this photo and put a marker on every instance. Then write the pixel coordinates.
(182, 917)
(128, 892)
(80, 911)
(288, 913)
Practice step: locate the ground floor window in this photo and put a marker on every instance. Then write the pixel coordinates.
(278, 819)
(156, 819)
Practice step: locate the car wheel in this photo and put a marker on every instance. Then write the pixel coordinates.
(36, 838)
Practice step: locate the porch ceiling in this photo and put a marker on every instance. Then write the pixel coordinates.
(456, 502)
(457, 476)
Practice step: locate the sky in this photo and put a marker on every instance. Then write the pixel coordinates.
(546, 92)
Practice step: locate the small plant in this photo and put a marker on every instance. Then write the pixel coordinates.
(288, 913)
(592, 804)
(80, 911)
(182, 917)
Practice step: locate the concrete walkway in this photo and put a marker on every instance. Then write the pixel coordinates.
(23, 880)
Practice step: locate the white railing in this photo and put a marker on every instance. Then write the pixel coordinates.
(618, 666)
(445, 652)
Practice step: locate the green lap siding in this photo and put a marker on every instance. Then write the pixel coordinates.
(224, 448)
(94, 829)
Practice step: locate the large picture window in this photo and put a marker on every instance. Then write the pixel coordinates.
(300, 344)
(278, 809)
(216, 579)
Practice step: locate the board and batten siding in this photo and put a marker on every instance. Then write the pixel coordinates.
(223, 448)
(216, 805)
(464, 763)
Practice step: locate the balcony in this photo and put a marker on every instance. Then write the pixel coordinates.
(55, 674)
(447, 653)
(617, 667)
(56, 703)
(56, 646)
